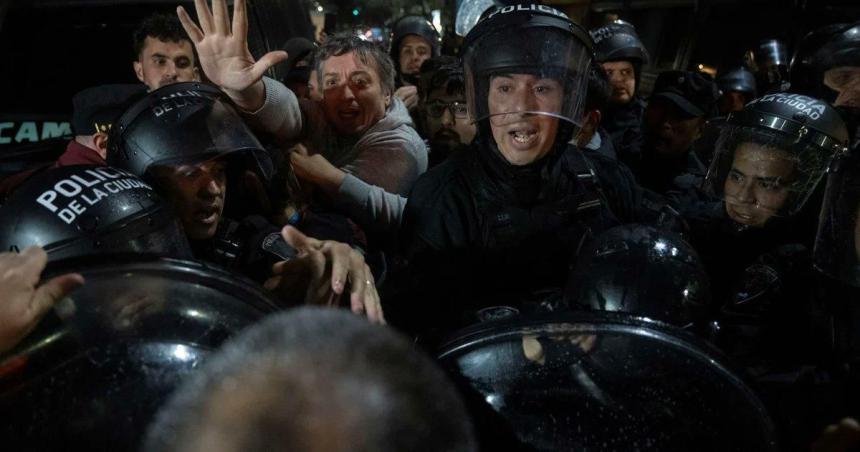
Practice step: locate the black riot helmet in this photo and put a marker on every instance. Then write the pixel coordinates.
(806, 77)
(413, 25)
(98, 367)
(769, 61)
(841, 49)
(837, 245)
(183, 123)
(838, 62)
(619, 41)
(739, 79)
(770, 156)
(81, 210)
(533, 40)
(641, 270)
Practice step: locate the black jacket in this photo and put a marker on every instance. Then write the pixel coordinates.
(480, 232)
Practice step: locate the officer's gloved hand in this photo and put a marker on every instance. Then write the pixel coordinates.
(320, 274)
(23, 301)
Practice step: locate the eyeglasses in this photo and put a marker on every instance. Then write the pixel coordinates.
(437, 108)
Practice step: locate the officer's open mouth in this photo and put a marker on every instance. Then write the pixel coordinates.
(523, 136)
(207, 215)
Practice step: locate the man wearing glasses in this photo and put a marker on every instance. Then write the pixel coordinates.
(445, 120)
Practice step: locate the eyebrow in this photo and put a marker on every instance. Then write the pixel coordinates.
(768, 178)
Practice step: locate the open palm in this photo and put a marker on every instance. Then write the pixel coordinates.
(222, 46)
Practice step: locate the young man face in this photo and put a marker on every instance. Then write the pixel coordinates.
(524, 137)
(414, 50)
(758, 183)
(162, 63)
(353, 97)
(196, 192)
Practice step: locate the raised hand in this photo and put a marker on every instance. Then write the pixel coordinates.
(223, 51)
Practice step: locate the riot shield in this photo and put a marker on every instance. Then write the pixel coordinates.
(99, 366)
(602, 382)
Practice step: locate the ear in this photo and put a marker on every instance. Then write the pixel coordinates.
(387, 100)
(101, 141)
(596, 117)
(138, 70)
(196, 74)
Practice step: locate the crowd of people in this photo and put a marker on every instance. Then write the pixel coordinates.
(527, 177)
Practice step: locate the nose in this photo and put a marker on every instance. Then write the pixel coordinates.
(447, 118)
(170, 71)
(745, 193)
(524, 100)
(209, 187)
(348, 94)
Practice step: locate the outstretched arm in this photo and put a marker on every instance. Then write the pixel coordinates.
(222, 47)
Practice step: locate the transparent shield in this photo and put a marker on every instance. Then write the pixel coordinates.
(837, 245)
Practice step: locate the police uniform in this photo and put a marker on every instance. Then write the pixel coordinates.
(482, 232)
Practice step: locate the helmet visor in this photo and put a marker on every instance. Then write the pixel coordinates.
(763, 174)
(837, 246)
(511, 75)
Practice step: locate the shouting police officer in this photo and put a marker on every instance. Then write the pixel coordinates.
(499, 223)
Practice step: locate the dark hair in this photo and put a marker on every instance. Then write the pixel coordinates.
(367, 52)
(441, 71)
(311, 373)
(599, 91)
(164, 27)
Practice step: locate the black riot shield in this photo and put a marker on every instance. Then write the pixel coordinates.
(98, 367)
(602, 382)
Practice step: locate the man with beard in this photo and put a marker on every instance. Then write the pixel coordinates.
(445, 116)
(618, 49)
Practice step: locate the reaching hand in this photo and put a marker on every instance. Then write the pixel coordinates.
(409, 96)
(223, 51)
(324, 267)
(316, 170)
(22, 301)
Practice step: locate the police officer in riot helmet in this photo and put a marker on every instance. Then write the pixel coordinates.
(837, 66)
(837, 245)
(756, 245)
(414, 40)
(84, 210)
(769, 61)
(619, 50)
(189, 143)
(737, 88)
(513, 208)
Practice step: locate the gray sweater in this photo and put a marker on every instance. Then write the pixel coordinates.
(381, 165)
